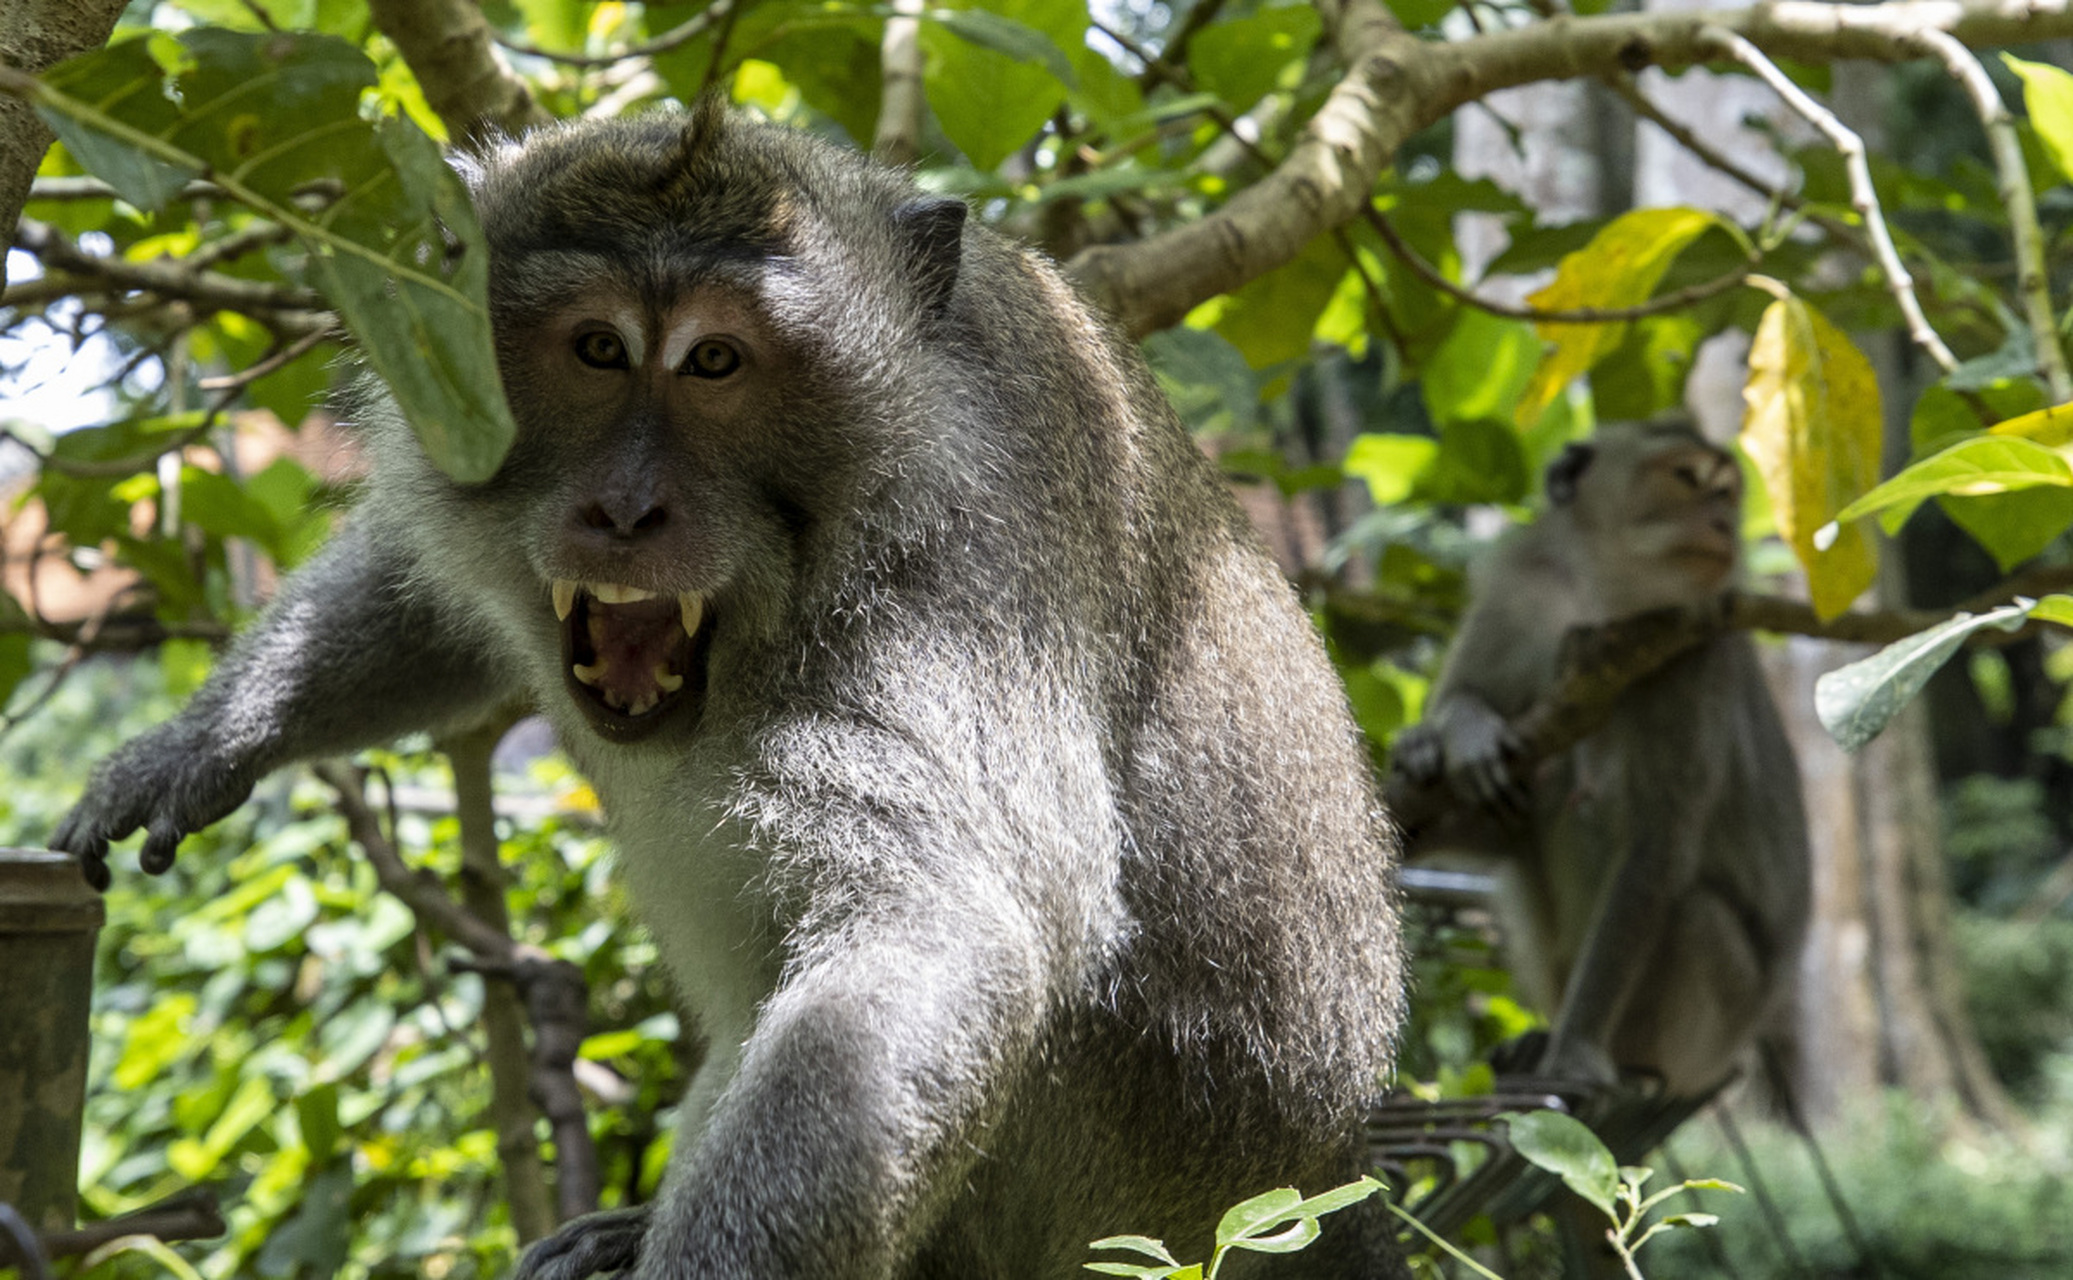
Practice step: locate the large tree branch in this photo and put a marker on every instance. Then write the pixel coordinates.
(1396, 84)
(448, 47)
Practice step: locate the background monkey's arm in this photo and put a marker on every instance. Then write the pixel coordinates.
(344, 657)
(1504, 656)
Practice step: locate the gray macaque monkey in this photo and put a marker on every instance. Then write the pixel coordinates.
(1656, 874)
(988, 794)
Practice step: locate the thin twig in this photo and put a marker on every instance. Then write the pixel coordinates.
(2012, 175)
(681, 34)
(95, 189)
(1554, 315)
(281, 358)
(1864, 198)
(273, 305)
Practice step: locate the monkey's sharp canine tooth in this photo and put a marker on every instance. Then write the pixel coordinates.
(588, 675)
(667, 680)
(564, 598)
(618, 592)
(691, 606)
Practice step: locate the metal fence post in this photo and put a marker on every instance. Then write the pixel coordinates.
(49, 919)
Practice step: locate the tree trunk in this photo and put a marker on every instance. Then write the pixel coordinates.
(34, 36)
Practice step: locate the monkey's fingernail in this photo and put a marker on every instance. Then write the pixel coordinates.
(588, 675)
(692, 606)
(665, 680)
(564, 598)
(618, 593)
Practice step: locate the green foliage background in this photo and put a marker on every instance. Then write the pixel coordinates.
(270, 1024)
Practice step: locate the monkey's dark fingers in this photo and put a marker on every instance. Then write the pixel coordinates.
(1490, 785)
(160, 845)
(94, 867)
(83, 837)
(598, 1242)
(1418, 756)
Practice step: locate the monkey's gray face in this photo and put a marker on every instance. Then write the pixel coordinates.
(641, 426)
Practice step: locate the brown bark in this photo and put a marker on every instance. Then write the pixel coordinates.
(483, 880)
(36, 35)
(448, 48)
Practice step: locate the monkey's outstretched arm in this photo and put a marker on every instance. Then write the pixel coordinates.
(864, 1084)
(345, 657)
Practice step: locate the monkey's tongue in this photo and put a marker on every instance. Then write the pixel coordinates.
(638, 653)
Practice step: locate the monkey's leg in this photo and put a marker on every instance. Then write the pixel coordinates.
(344, 657)
(1632, 915)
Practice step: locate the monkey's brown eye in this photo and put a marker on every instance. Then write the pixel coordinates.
(712, 358)
(601, 349)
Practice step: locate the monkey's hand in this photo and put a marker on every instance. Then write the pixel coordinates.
(1419, 755)
(1473, 746)
(605, 1242)
(172, 782)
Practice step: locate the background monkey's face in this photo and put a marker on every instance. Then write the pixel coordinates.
(1665, 508)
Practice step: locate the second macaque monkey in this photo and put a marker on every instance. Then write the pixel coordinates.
(1656, 874)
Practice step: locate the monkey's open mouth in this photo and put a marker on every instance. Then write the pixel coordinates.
(631, 656)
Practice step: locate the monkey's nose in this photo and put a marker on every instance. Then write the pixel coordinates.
(622, 518)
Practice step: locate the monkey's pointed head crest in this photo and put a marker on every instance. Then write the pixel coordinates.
(700, 128)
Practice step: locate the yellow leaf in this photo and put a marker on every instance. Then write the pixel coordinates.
(2051, 427)
(1812, 428)
(1618, 268)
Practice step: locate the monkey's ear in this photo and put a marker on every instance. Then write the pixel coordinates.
(933, 230)
(1566, 470)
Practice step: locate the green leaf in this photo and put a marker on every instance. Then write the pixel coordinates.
(1813, 428)
(1690, 1220)
(124, 78)
(1264, 1211)
(2058, 609)
(1297, 1236)
(213, 501)
(1339, 1197)
(1856, 701)
(1481, 368)
(2014, 526)
(1393, 466)
(1206, 378)
(1241, 60)
(155, 1041)
(1137, 1244)
(317, 1112)
(1421, 13)
(2048, 96)
(1008, 37)
(16, 663)
(273, 117)
(1271, 318)
(1619, 268)
(991, 102)
(1564, 1146)
(1480, 460)
(1983, 465)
